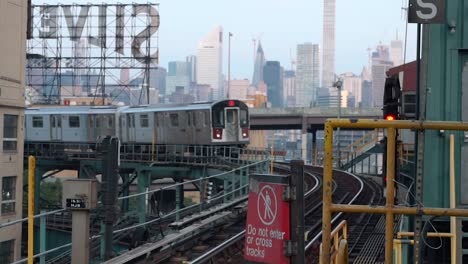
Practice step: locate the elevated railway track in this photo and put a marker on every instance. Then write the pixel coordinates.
(224, 243)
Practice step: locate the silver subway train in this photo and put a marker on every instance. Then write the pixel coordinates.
(218, 123)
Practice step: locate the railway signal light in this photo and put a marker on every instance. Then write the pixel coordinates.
(391, 99)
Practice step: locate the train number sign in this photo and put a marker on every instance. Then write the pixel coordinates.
(75, 204)
(267, 223)
(426, 11)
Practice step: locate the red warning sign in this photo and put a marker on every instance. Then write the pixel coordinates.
(267, 222)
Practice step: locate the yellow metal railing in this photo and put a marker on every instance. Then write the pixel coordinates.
(339, 246)
(360, 145)
(390, 210)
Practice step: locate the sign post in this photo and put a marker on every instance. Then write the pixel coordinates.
(80, 196)
(268, 223)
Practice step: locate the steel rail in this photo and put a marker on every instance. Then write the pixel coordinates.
(218, 249)
(221, 247)
(311, 242)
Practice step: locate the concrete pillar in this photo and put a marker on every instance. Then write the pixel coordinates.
(304, 144)
(143, 184)
(80, 237)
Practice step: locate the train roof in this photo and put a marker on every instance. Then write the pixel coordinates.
(72, 110)
(123, 109)
(164, 108)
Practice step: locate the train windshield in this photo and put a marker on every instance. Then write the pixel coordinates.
(218, 117)
(244, 120)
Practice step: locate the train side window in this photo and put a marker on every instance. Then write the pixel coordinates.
(144, 122)
(37, 121)
(74, 121)
(91, 121)
(174, 120)
(244, 122)
(59, 121)
(188, 114)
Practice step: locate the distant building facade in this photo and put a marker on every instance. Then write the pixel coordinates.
(329, 21)
(289, 88)
(209, 65)
(273, 77)
(192, 68)
(380, 65)
(396, 51)
(367, 97)
(258, 65)
(307, 74)
(239, 89)
(158, 77)
(178, 75)
(353, 84)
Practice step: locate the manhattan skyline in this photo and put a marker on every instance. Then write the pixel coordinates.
(281, 25)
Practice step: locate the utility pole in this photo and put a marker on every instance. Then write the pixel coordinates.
(339, 84)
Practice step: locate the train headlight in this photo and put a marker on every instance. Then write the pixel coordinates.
(217, 133)
(245, 132)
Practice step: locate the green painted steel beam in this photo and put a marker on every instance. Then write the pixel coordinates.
(442, 61)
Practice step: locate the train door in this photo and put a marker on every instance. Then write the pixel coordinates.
(189, 139)
(160, 127)
(193, 129)
(92, 135)
(131, 133)
(232, 124)
(56, 127)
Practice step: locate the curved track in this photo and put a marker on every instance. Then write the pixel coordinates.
(224, 244)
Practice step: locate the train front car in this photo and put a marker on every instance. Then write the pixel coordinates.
(230, 123)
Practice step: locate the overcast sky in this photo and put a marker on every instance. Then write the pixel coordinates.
(281, 24)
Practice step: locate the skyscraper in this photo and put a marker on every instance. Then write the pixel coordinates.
(328, 70)
(380, 65)
(192, 67)
(239, 89)
(379, 69)
(177, 76)
(273, 77)
(307, 74)
(353, 84)
(396, 51)
(158, 79)
(289, 88)
(258, 67)
(210, 62)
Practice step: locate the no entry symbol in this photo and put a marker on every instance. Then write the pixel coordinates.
(267, 205)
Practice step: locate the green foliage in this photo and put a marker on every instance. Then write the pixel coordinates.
(52, 193)
(188, 201)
